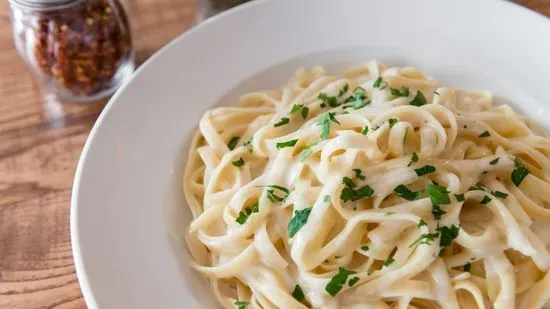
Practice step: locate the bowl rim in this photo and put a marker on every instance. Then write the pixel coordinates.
(82, 276)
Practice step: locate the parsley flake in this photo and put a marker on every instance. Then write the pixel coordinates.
(299, 220)
(500, 194)
(243, 215)
(426, 169)
(238, 163)
(486, 199)
(406, 193)
(414, 159)
(365, 131)
(233, 142)
(448, 234)
(307, 151)
(274, 197)
(437, 212)
(460, 197)
(241, 304)
(326, 198)
(389, 261)
(438, 194)
(348, 182)
(298, 293)
(380, 83)
(493, 162)
(425, 239)
(358, 174)
(343, 90)
(467, 267)
(325, 124)
(485, 134)
(421, 223)
(337, 282)
(330, 100)
(282, 122)
(419, 99)
(519, 173)
(392, 122)
(290, 143)
(353, 281)
(365, 248)
(403, 92)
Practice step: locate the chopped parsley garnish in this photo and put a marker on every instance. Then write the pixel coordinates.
(343, 90)
(304, 110)
(330, 100)
(322, 105)
(325, 124)
(406, 193)
(296, 108)
(460, 197)
(248, 141)
(392, 122)
(290, 143)
(358, 174)
(419, 99)
(486, 199)
(467, 267)
(389, 261)
(233, 142)
(435, 92)
(337, 282)
(437, 212)
(426, 169)
(282, 122)
(500, 194)
(365, 131)
(403, 92)
(493, 162)
(421, 223)
(414, 159)
(348, 193)
(306, 151)
(298, 293)
(519, 173)
(239, 162)
(274, 197)
(358, 98)
(380, 83)
(348, 182)
(425, 239)
(405, 135)
(326, 198)
(299, 220)
(365, 248)
(438, 194)
(485, 134)
(448, 234)
(243, 215)
(241, 304)
(353, 281)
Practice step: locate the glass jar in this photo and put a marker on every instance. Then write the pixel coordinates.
(80, 49)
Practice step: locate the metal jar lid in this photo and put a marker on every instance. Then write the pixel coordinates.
(42, 3)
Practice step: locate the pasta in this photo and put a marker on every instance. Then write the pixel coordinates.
(377, 188)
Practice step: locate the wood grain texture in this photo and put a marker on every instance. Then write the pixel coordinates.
(40, 142)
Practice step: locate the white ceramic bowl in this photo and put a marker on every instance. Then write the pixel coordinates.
(127, 195)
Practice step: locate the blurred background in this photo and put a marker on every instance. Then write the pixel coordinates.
(41, 138)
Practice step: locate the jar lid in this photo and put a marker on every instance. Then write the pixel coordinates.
(42, 3)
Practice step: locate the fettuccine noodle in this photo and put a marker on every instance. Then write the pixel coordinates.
(377, 188)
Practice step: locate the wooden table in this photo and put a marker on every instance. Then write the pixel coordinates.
(40, 142)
